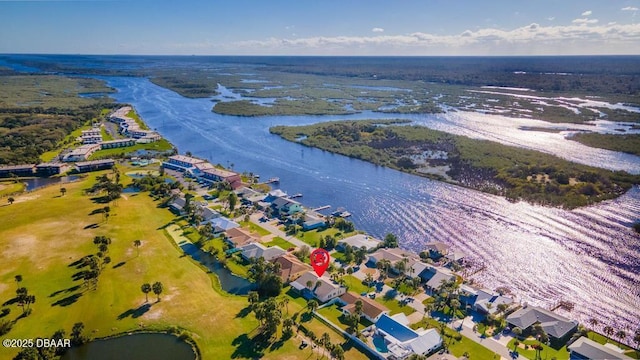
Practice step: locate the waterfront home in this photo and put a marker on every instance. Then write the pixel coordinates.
(400, 341)
(434, 277)
(257, 250)
(213, 174)
(286, 207)
(17, 170)
(248, 196)
(359, 241)
(95, 165)
(482, 300)
(118, 143)
(456, 256)
(371, 309)
(52, 168)
(558, 327)
(393, 255)
(237, 237)
(81, 153)
(273, 195)
(130, 127)
(182, 163)
(585, 349)
(291, 268)
(312, 222)
(310, 285)
(436, 249)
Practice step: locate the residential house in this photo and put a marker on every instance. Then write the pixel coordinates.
(286, 207)
(482, 300)
(359, 241)
(177, 204)
(17, 170)
(222, 224)
(371, 309)
(273, 195)
(392, 255)
(436, 249)
(95, 165)
(586, 349)
(322, 288)
(402, 341)
(434, 277)
(312, 222)
(207, 213)
(237, 237)
(291, 268)
(558, 327)
(257, 250)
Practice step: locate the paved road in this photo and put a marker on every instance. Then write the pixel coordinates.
(269, 226)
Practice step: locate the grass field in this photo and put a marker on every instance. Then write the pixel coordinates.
(43, 233)
(278, 241)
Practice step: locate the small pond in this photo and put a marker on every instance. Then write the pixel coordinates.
(36, 183)
(136, 346)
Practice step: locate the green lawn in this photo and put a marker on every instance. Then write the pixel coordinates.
(10, 187)
(456, 347)
(394, 306)
(334, 314)
(312, 237)
(44, 255)
(254, 228)
(546, 353)
(278, 241)
(354, 284)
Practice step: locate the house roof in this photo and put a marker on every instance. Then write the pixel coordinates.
(290, 265)
(553, 324)
(209, 214)
(396, 330)
(223, 224)
(437, 246)
(326, 285)
(392, 255)
(425, 342)
(455, 255)
(370, 307)
(435, 276)
(178, 203)
(257, 250)
(360, 240)
(239, 237)
(593, 350)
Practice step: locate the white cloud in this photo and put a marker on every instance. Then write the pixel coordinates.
(629, 8)
(585, 21)
(551, 18)
(377, 30)
(584, 36)
(587, 13)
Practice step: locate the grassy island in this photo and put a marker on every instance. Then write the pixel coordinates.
(628, 143)
(516, 173)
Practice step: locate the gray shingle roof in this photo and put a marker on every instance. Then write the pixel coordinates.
(553, 324)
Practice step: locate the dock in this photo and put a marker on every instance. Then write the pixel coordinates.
(273, 180)
(322, 208)
(298, 195)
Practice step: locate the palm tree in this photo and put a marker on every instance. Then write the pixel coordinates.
(157, 289)
(137, 244)
(10, 200)
(312, 305)
(455, 305)
(146, 289)
(368, 279)
(608, 330)
(63, 191)
(593, 322)
(253, 298)
(285, 302)
(325, 340)
(621, 335)
(18, 280)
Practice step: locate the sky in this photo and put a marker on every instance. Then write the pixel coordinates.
(323, 27)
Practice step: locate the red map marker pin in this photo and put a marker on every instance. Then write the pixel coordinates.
(320, 260)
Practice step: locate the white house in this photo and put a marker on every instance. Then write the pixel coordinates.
(322, 288)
